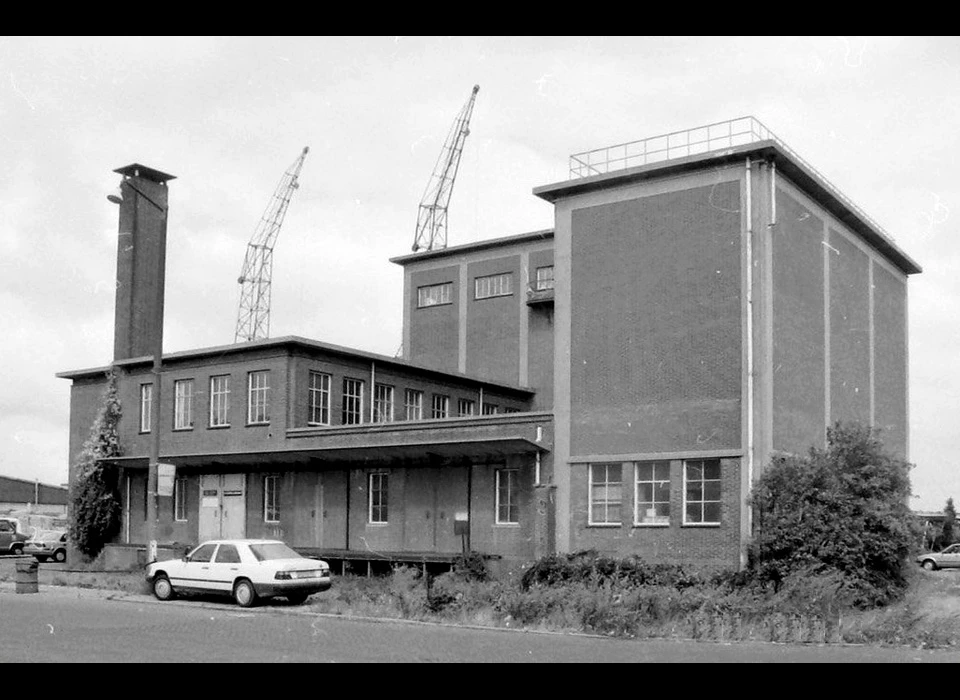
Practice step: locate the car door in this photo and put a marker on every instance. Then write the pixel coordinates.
(225, 567)
(195, 573)
(951, 557)
(6, 535)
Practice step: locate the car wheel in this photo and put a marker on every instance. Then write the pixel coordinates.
(162, 588)
(244, 593)
(929, 565)
(16, 549)
(60, 555)
(298, 598)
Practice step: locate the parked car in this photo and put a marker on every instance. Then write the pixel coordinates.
(11, 539)
(249, 570)
(51, 544)
(946, 559)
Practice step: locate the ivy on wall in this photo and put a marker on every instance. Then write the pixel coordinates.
(95, 515)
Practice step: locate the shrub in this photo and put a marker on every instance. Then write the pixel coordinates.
(840, 510)
(588, 566)
(95, 514)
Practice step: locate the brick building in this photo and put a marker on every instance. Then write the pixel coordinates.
(705, 300)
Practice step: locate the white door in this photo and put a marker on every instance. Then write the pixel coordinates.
(233, 524)
(209, 507)
(223, 506)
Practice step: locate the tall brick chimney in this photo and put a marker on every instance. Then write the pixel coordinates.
(141, 261)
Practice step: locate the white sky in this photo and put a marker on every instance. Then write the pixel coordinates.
(878, 116)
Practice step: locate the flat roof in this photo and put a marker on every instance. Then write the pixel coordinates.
(810, 181)
(296, 342)
(544, 234)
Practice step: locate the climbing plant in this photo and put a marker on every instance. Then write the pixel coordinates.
(95, 497)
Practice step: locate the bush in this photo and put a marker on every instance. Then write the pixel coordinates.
(588, 566)
(95, 514)
(840, 511)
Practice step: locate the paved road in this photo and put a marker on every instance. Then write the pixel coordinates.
(76, 625)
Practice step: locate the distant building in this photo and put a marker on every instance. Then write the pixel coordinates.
(32, 496)
(616, 383)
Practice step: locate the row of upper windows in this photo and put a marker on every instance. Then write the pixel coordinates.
(318, 402)
(258, 410)
(385, 406)
(651, 502)
(486, 287)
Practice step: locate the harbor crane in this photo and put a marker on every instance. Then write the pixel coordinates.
(432, 217)
(253, 319)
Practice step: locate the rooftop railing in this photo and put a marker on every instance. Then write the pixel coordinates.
(702, 139)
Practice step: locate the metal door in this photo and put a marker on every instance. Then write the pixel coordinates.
(419, 509)
(233, 524)
(223, 506)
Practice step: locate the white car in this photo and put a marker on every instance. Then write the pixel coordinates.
(246, 569)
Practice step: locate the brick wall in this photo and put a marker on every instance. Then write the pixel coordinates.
(699, 547)
(656, 323)
(798, 328)
(493, 324)
(849, 331)
(890, 359)
(434, 330)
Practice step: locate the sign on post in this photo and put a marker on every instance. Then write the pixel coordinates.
(166, 474)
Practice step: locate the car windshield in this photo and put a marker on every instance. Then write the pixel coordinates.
(273, 550)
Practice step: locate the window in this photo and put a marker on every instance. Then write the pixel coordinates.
(382, 403)
(489, 409)
(183, 404)
(441, 406)
(378, 497)
(352, 401)
(605, 494)
(493, 286)
(466, 407)
(544, 278)
(219, 401)
(510, 409)
(146, 401)
(203, 553)
(701, 492)
(319, 399)
(434, 295)
(652, 495)
(180, 499)
(413, 404)
(271, 499)
(507, 509)
(227, 554)
(258, 410)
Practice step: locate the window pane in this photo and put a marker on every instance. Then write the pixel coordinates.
(693, 513)
(711, 469)
(645, 472)
(695, 491)
(711, 491)
(203, 553)
(711, 512)
(662, 491)
(645, 493)
(694, 471)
